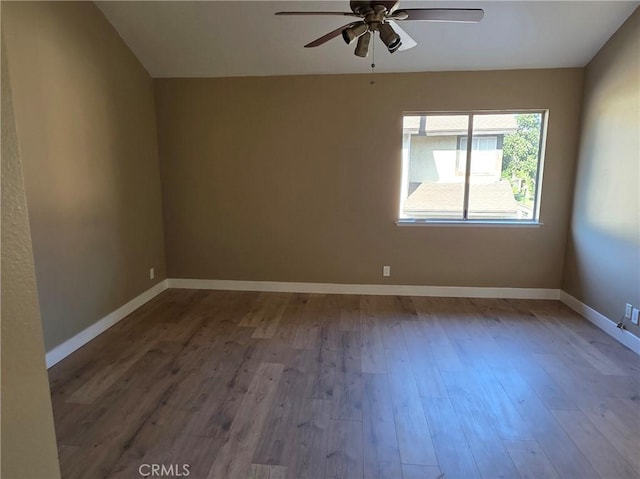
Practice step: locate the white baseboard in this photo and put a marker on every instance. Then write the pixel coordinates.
(607, 325)
(373, 289)
(63, 350)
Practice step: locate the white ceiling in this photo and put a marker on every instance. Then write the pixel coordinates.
(243, 38)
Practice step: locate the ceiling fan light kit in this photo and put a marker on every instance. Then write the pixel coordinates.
(389, 37)
(362, 47)
(380, 16)
(356, 31)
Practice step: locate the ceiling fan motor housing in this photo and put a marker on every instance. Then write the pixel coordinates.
(362, 6)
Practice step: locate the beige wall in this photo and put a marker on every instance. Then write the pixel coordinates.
(603, 254)
(28, 438)
(86, 126)
(298, 179)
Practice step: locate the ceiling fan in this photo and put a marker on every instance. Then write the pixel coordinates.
(381, 16)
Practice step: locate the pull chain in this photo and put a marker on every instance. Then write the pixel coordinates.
(373, 57)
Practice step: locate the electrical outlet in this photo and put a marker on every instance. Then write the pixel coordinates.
(152, 273)
(627, 311)
(634, 315)
(386, 271)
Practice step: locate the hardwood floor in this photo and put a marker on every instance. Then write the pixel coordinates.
(272, 385)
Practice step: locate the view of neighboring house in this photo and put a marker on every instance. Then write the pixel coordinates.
(435, 159)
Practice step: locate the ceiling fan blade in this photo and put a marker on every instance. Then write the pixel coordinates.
(407, 41)
(461, 15)
(328, 36)
(344, 14)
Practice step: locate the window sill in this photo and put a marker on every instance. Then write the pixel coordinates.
(470, 223)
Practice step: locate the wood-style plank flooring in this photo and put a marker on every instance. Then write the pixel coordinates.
(273, 385)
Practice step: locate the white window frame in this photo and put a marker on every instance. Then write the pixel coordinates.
(465, 221)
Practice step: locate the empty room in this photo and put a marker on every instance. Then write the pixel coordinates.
(320, 239)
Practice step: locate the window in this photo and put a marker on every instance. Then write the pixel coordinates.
(480, 143)
(495, 178)
(482, 162)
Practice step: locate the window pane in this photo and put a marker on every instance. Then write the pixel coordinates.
(434, 165)
(504, 166)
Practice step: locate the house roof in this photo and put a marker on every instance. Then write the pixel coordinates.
(442, 198)
(439, 125)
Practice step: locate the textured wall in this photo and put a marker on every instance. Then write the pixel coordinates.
(86, 125)
(603, 254)
(28, 438)
(298, 179)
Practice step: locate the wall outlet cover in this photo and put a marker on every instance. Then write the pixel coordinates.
(386, 271)
(634, 315)
(152, 273)
(627, 311)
